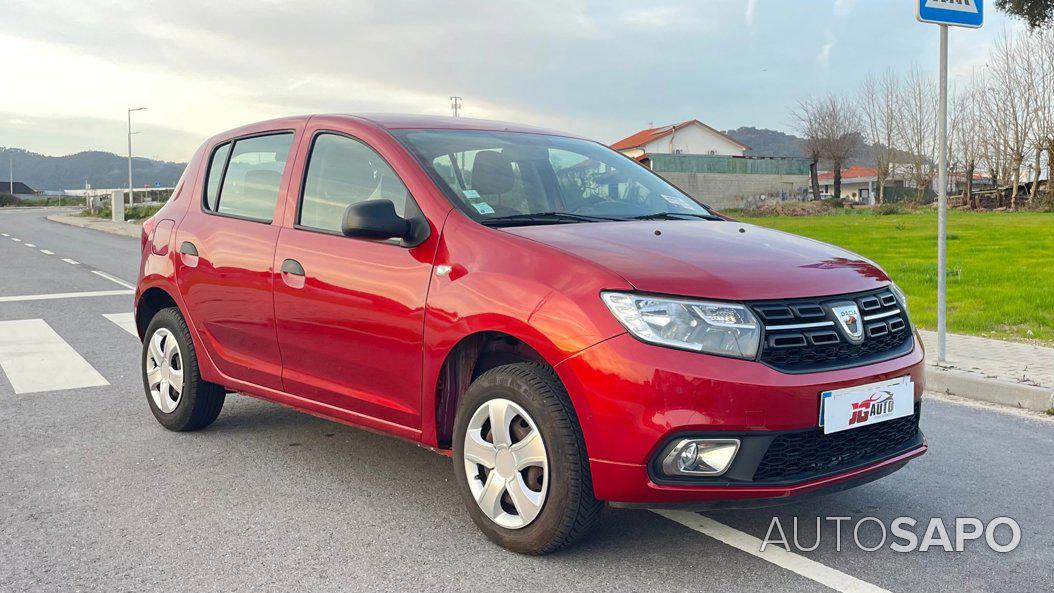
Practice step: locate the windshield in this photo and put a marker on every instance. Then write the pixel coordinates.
(516, 178)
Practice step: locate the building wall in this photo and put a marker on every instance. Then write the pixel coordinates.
(694, 140)
(738, 190)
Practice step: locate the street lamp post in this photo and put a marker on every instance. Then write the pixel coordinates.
(118, 212)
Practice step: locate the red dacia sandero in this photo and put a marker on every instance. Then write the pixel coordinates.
(566, 325)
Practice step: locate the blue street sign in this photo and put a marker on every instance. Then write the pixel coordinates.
(958, 13)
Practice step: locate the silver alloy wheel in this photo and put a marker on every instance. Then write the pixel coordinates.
(506, 463)
(164, 370)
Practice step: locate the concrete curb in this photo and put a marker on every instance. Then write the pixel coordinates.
(978, 387)
(126, 229)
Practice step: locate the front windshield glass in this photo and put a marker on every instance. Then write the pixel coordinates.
(506, 178)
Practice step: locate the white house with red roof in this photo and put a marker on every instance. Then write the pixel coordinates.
(688, 137)
(859, 184)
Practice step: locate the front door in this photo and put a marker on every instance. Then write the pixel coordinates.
(350, 312)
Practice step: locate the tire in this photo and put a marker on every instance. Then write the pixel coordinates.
(199, 402)
(568, 509)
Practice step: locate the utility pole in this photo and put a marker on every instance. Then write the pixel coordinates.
(11, 176)
(455, 106)
(113, 207)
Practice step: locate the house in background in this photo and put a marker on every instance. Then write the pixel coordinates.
(19, 189)
(713, 167)
(687, 137)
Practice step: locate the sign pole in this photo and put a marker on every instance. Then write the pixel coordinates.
(942, 204)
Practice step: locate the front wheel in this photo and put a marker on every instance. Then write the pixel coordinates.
(178, 397)
(520, 460)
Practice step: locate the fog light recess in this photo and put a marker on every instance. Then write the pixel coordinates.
(699, 457)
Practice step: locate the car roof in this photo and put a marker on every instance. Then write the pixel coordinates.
(398, 121)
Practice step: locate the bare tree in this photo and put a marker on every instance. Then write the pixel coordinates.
(840, 134)
(1041, 86)
(879, 97)
(917, 127)
(1008, 70)
(807, 118)
(966, 134)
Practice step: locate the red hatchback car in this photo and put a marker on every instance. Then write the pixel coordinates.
(569, 327)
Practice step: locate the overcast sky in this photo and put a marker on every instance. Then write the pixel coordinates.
(600, 68)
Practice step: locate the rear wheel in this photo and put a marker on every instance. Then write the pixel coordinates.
(178, 397)
(520, 461)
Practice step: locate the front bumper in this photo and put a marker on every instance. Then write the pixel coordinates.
(632, 398)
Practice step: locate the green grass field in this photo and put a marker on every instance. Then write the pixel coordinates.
(1000, 265)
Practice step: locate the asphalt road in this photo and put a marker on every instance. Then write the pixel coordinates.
(96, 496)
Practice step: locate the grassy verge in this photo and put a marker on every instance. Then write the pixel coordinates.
(9, 201)
(1000, 264)
(130, 212)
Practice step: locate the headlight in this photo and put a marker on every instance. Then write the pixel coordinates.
(725, 329)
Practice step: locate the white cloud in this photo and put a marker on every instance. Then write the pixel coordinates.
(842, 8)
(823, 57)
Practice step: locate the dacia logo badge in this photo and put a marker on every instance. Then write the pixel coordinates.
(848, 316)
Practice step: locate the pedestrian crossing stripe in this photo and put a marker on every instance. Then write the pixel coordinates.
(35, 358)
(125, 321)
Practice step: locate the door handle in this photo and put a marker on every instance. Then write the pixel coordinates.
(291, 266)
(188, 248)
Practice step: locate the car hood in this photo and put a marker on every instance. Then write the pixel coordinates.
(712, 259)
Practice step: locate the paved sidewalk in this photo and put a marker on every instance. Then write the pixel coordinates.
(128, 229)
(995, 359)
(1009, 373)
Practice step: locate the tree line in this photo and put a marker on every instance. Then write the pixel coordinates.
(1000, 124)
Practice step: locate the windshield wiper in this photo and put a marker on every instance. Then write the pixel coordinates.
(544, 218)
(674, 216)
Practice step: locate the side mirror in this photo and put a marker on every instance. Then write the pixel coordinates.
(374, 219)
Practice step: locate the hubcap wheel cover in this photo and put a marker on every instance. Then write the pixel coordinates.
(495, 468)
(164, 371)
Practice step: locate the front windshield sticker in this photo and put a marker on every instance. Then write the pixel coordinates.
(471, 194)
(482, 207)
(679, 201)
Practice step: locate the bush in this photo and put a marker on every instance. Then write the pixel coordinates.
(9, 200)
(833, 203)
(790, 209)
(131, 213)
(891, 208)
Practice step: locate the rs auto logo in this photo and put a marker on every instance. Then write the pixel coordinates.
(875, 405)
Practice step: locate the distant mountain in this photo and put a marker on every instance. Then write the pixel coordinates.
(100, 169)
(764, 142)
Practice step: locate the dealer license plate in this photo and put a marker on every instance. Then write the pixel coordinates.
(853, 407)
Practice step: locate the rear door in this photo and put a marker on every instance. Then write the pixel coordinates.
(226, 249)
(350, 312)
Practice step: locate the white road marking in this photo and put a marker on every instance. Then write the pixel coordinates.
(810, 569)
(46, 252)
(5, 234)
(36, 359)
(63, 295)
(71, 261)
(16, 239)
(113, 279)
(29, 245)
(124, 320)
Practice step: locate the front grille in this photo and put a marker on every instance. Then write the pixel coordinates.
(804, 336)
(802, 455)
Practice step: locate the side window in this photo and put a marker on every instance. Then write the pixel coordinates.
(250, 185)
(342, 171)
(212, 186)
